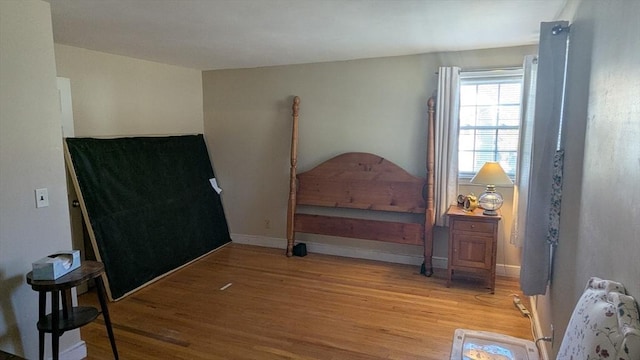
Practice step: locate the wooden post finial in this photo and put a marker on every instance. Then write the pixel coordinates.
(296, 105)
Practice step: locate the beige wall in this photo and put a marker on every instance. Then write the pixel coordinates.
(112, 95)
(599, 226)
(116, 95)
(30, 158)
(374, 105)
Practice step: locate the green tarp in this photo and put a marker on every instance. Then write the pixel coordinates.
(150, 204)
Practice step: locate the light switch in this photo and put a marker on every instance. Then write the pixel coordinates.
(42, 198)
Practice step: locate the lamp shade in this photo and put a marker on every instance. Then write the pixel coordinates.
(491, 173)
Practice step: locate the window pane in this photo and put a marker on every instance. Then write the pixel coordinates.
(487, 94)
(510, 93)
(465, 161)
(508, 140)
(508, 161)
(468, 95)
(466, 140)
(485, 140)
(467, 116)
(509, 115)
(487, 116)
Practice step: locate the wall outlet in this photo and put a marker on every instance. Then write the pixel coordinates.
(42, 198)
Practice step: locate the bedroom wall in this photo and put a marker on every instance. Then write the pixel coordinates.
(30, 158)
(599, 226)
(374, 105)
(117, 95)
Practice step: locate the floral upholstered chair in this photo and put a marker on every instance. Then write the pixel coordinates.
(604, 325)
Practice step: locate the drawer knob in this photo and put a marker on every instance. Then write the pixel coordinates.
(473, 226)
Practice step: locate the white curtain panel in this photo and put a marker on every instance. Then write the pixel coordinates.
(537, 253)
(523, 173)
(446, 142)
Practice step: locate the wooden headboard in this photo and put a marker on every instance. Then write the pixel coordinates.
(362, 181)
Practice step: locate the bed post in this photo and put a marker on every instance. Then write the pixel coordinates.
(429, 221)
(291, 211)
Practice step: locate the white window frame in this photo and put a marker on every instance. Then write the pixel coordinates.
(489, 77)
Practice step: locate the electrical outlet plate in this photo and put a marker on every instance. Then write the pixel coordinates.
(42, 198)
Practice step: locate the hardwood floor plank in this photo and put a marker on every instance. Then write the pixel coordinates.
(316, 307)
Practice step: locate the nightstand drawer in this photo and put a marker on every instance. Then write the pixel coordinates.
(474, 226)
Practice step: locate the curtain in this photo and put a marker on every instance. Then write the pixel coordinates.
(523, 173)
(446, 142)
(542, 204)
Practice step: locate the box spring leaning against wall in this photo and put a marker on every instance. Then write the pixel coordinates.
(368, 182)
(148, 205)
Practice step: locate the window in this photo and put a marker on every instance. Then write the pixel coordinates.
(489, 120)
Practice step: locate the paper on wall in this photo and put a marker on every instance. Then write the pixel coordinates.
(214, 185)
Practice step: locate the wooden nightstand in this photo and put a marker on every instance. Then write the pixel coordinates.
(473, 241)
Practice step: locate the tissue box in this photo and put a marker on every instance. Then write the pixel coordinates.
(56, 265)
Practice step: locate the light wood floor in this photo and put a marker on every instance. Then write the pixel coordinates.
(315, 307)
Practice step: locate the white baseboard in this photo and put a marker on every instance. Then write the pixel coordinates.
(75, 352)
(543, 346)
(259, 241)
(360, 253)
(512, 271)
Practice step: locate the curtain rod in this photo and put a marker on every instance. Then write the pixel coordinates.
(487, 70)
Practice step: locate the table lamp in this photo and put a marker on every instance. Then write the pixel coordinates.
(491, 174)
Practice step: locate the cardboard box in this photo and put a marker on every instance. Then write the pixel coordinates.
(56, 265)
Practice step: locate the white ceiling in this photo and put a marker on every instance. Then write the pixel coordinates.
(222, 34)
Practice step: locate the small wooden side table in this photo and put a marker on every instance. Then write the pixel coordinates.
(473, 239)
(69, 317)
